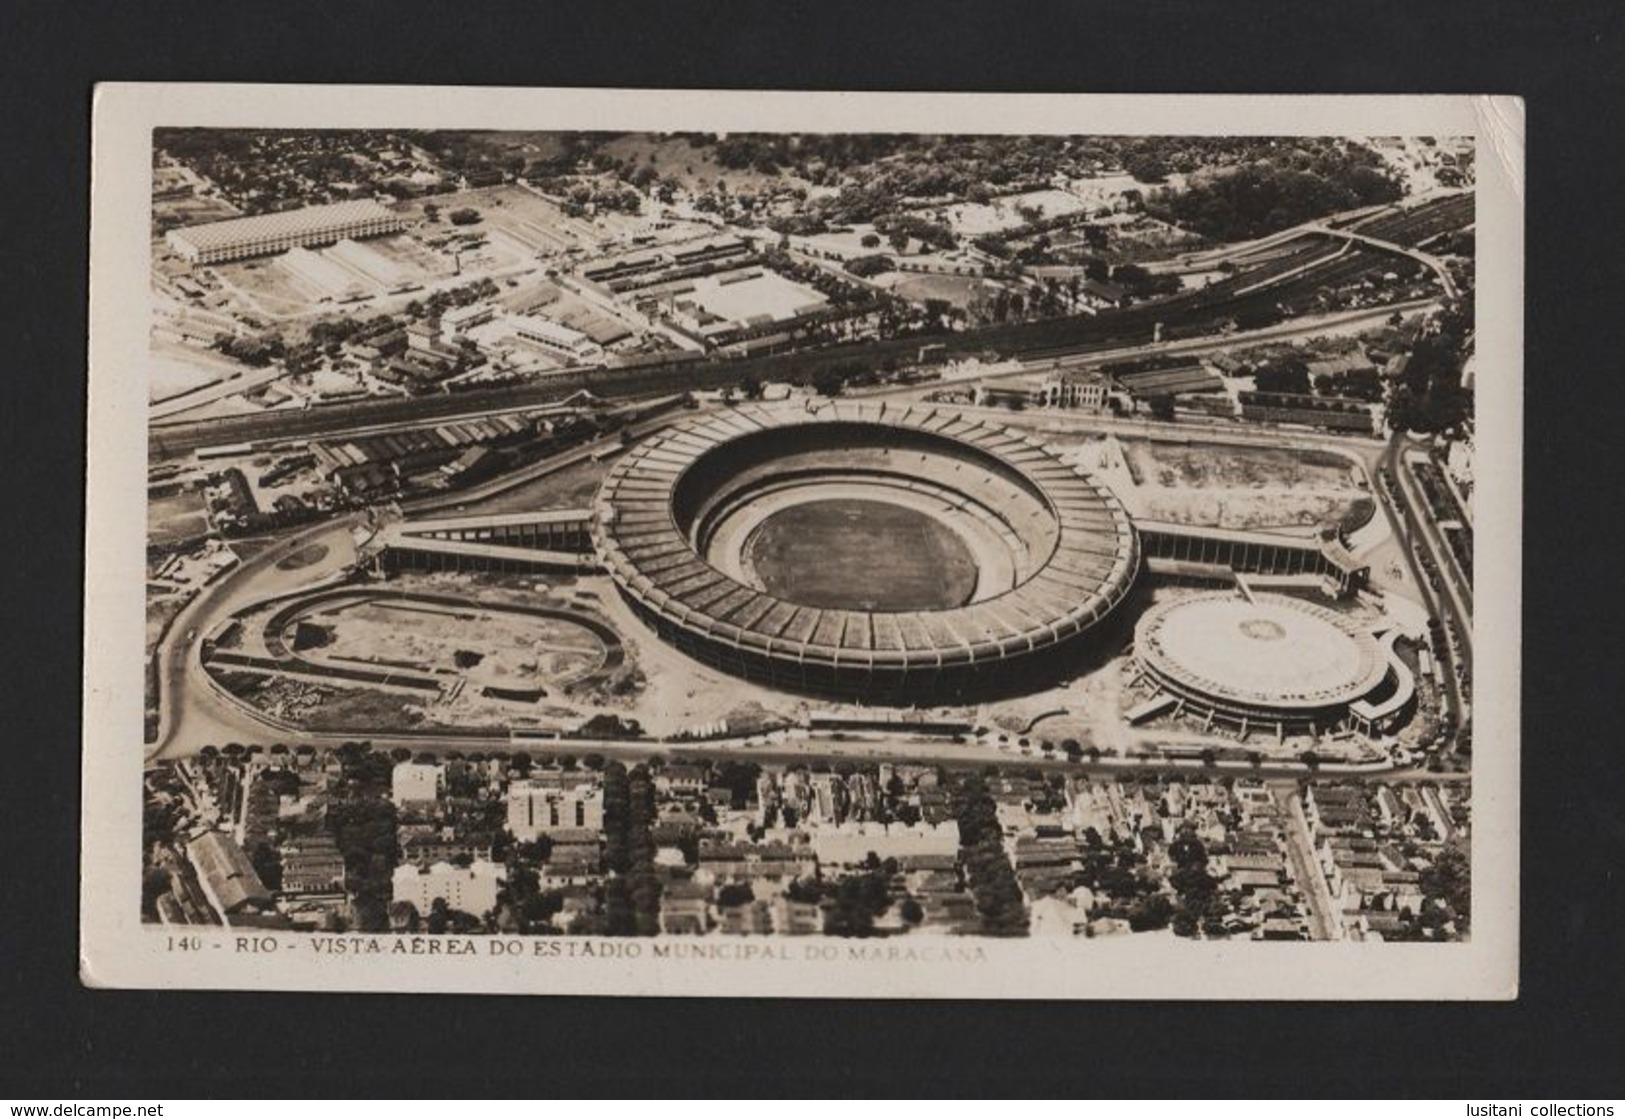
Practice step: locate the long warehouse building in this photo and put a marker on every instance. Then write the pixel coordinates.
(240, 238)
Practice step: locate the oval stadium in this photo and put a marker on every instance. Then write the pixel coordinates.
(1261, 661)
(865, 551)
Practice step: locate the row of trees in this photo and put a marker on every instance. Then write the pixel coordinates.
(632, 893)
(1201, 906)
(361, 818)
(1429, 397)
(991, 878)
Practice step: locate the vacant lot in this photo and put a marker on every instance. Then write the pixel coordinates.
(304, 557)
(489, 646)
(961, 291)
(177, 213)
(178, 517)
(570, 488)
(972, 218)
(534, 223)
(1238, 487)
(265, 285)
(1225, 467)
(861, 555)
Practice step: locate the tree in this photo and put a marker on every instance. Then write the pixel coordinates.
(1449, 880)
(1187, 850)
(734, 894)
(1284, 375)
(1151, 913)
(829, 383)
(870, 240)
(439, 917)
(1146, 167)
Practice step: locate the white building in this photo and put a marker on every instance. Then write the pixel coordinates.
(456, 320)
(850, 843)
(535, 809)
(416, 785)
(240, 238)
(553, 337)
(1084, 389)
(470, 890)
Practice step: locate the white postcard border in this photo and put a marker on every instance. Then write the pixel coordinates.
(118, 951)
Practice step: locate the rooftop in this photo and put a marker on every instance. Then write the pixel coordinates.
(1271, 650)
(311, 220)
(1089, 558)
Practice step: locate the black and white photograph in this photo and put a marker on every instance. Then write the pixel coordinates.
(726, 544)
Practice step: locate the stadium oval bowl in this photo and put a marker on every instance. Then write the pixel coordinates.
(1055, 552)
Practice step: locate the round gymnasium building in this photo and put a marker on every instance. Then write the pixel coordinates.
(1269, 662)
(867, 551)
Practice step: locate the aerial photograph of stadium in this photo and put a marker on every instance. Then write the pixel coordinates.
(717, 536)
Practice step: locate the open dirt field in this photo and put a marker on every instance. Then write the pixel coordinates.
(1210, 467)
(861, 555)
(570, 488)
(176, 518)
(531, 222)
(265, 285)
(177, 213)
(488, 646)
(958, 290)
(972, 218)
(169, 377)
(1223, 486)
(410, 255)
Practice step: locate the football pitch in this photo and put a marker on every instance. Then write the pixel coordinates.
(852, 554)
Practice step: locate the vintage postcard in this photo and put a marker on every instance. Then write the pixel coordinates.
(778, 544)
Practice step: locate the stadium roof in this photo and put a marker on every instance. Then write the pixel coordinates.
(310, 221)
(1084, 575)
(1269, 650)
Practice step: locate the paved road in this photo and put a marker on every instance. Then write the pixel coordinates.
(190, 713)
(1324, 916)
(1458, 589)
(1410, 531)
(1429, 260)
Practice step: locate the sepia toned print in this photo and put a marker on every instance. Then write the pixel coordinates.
(694, 558)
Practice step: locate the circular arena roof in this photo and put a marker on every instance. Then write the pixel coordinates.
(1067, 557)
(1271, 651)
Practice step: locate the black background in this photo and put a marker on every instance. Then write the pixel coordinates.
(1561, 1039)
